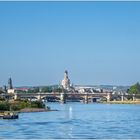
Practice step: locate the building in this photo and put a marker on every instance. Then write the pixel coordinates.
(10, 86)
(66, 81)
(11, 91)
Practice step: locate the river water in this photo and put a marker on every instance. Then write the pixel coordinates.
(77, 121)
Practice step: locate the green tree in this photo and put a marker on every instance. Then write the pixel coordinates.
(57, 90)
(36, 89)
(134, 89)
(46, 89)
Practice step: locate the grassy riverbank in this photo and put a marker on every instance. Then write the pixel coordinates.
(23, 106)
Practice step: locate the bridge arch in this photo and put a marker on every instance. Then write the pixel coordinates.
(50, 98)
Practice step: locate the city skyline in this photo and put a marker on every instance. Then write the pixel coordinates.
(97, 42)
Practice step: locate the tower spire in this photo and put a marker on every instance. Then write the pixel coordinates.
(10, 86)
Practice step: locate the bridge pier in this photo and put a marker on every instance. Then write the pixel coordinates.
(15, 96)
(39, 97)
(108, 97)
(63, 98)
(122, 97)
(133, 97)
(86, 99)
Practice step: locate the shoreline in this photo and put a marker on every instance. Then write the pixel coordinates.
(122, 102)
(29, 110)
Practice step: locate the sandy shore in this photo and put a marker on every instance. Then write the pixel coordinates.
(123, 102)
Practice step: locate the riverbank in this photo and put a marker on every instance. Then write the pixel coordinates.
(123, 102)
(22, 106)
(28, 110)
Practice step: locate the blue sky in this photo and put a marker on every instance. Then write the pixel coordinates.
(97, 42)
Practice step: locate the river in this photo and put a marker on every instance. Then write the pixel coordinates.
(76, 120)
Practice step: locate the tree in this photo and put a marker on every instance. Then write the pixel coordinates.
(57, 90)
(134, 89)
(46, 89)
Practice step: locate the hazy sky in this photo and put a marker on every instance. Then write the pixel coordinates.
(97, 42)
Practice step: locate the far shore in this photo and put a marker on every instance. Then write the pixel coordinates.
(123, 102)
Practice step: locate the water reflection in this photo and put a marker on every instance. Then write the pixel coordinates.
(68, 112)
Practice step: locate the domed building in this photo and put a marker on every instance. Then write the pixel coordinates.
(66, 81)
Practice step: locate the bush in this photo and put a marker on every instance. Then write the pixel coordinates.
(37, 104)
(15, 107)
(2, 99)
(18, 105)
(4, 106)
(24, 104)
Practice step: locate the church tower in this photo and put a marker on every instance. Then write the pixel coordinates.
(10, 86)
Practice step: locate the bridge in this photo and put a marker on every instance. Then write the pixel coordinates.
(84, 97)
(63, 97)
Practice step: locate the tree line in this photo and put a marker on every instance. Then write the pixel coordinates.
(134, 89)
(45, 89)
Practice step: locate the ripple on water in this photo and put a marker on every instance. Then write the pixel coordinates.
(83, 121)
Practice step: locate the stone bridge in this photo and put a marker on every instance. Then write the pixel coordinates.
(85, 97)
(63, 97)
